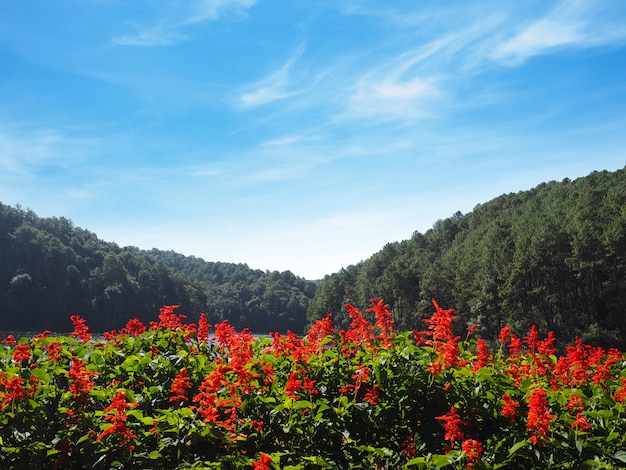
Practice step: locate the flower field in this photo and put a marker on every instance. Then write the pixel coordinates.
(175, 395)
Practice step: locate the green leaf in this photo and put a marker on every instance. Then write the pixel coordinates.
(620, 455)
(517, 446)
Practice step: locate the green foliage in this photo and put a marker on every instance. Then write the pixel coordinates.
(553, 256)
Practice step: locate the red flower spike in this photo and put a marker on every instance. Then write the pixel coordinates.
(539, 419)
(81, 330)
(203, 328)
(179, 388)
(118, 420)
(510, 408)
(452, 426)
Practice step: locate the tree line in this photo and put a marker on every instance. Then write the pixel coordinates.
(553, 256)
(50, 269)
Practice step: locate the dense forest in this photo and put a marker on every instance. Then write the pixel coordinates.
(554, 256)
(50, 269)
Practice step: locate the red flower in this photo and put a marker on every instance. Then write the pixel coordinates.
(575, 403)
(371, 396)
(581, 423)
(13, 391)
(118, 420)
(134, 327)
(203, 328)
(532, 340)
(483, 356)
(473, 449)
(54, 351)
(81, 330)
(21, 353)
(505, 334)
(9, 341)
(294, 385)
(263, 463)
(384, 321)
(452, 426)
(179, 388)
(538, 417)
(510, 408)
(80, 376)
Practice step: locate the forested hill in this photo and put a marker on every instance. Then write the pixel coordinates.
(263, 301)
(50, 269)
(554, 256)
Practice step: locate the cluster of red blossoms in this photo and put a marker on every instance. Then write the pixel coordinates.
(218, 393)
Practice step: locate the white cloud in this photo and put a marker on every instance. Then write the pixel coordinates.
(175, 16)
(273, 87)
(572, 23)
(396, 88)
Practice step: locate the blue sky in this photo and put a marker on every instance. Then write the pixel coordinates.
(299, 135)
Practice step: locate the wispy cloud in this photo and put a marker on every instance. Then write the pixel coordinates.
(574, 24)
(23, 151)
(275, 86)
(175, 16)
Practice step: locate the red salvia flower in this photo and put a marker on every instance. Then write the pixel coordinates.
(408, 448)
(80, 377)
(546, 346)
(371, 396)
(452, 426)
(539, 418)
(9, 340)
(134, 327)
(575, 403)
(293, 386)
(118, 420)
(510, 408)
(13, 391)
(515, 346)
(581, 423)
(473, 450)
(532, 340)
(81, 330)
(483, 357)
(505, 335)
(472, 329)
(21, 353)
(360, 332)
(179, 388)
(168, 320)
(54, 351)
(384, 321)
(440, 323)
(263, 463)
(203, 328)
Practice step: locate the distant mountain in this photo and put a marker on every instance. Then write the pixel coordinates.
(50, 270)
(554, 256)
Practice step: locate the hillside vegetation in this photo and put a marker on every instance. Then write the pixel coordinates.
(50, 270)
(554, 256)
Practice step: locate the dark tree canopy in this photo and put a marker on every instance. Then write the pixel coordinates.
(50, 270)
